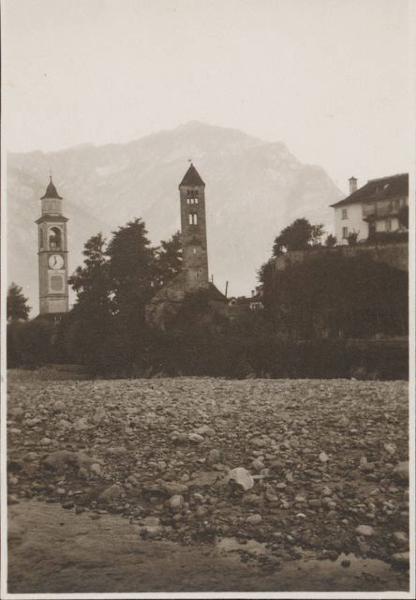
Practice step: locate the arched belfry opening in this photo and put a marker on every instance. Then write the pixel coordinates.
(55, 238)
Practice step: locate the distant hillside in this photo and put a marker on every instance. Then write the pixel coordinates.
(253, 189)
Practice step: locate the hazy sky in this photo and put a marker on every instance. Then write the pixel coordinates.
(327, 77)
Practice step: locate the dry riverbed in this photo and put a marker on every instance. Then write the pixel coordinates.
(199, 484)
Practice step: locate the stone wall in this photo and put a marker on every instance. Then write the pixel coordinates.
(395, 255)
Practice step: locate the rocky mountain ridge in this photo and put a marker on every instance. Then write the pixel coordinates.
(253, 189)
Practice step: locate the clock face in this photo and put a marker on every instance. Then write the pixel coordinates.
(56, 261)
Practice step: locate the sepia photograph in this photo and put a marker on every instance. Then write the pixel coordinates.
(207, 285)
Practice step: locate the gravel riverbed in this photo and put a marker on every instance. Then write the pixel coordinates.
(302, 467)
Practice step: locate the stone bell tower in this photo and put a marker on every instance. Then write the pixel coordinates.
(194, 229)
(53, 255)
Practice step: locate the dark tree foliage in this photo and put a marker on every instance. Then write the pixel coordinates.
(352, 238)
(330, 241)
(17, 307)
(131, 269)
(335, 296)
(31, 344)
(297, 236)
(86, 332)
(168, 260)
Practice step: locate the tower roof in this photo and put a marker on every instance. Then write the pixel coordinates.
(191, 177)
(51, 191)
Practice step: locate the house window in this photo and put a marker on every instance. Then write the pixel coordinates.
(193, 219)
(344, 233)
(344, 213)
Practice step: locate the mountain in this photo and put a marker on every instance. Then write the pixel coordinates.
(253, 189)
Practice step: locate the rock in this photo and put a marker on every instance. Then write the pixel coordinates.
(99, 415)
(257, 442)
(60, 460)
(173, 488)
(257, 465)
(401, 539)
(254, 519)
(205, 430)
(390, 448)
(176, 502)
(59, 406)
(365, 530)
(323, 457)
(214, 456)
(401, 471)
(401, 558)
(241, 477)
(45, 441)
(95, 468)
(81, 424)
(114, 492)
(151, 527)
(116, 451)
(195, 438)
(31, 456)
(252, 500)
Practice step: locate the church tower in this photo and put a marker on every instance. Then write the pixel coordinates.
(53, 255)
(194, 229)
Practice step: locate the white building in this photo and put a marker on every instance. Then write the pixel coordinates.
(380, 206)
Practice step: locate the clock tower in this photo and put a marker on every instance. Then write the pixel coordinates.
(53, 255)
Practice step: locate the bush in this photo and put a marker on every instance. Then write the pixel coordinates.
(30, 344)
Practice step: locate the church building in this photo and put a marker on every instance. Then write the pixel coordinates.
(194, 274)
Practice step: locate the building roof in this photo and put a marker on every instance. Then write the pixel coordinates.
(378, 189)
(192, 177)
(51, 191)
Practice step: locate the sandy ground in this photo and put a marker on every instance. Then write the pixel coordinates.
(51, 550)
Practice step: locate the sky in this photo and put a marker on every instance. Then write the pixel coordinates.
(329, 78)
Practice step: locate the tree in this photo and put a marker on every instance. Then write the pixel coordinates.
(330, 241)
(17, 307)
(87, 333)
(337, 296)
(131, 269)
(352, 238)
(91, 282)
(168, 260)
(297, 236)
(132, 278)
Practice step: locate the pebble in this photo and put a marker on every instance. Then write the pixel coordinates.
(176, 502)
(254, 519)
(195, 438)
(241, 477)
(323, 457)
(365, 530)
(401, 558)
(114, 492)
(401, 471)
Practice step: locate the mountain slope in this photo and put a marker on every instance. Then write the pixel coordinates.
(253, 190)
